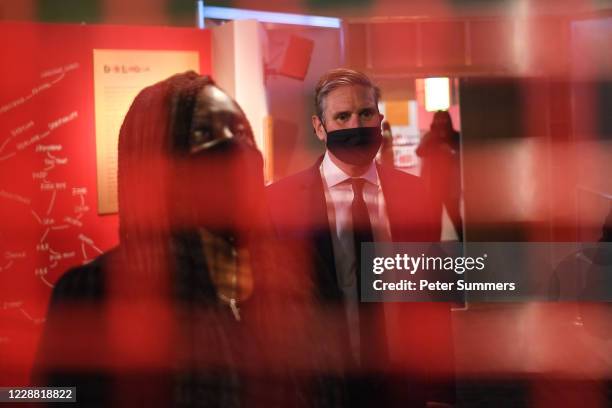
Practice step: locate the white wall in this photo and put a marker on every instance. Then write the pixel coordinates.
(238, 68)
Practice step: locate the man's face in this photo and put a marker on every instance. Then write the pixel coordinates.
(348, 107)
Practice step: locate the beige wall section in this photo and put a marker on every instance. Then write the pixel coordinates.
(238, 68)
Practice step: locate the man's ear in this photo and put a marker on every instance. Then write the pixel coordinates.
(317, 125)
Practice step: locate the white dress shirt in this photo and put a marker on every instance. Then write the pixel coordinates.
(339, 199)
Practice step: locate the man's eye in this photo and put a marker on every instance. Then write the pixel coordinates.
(367, 114)
(343, 116)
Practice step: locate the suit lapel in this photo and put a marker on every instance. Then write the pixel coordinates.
(320, 234)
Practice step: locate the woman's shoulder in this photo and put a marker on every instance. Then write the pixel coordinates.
(84, 282)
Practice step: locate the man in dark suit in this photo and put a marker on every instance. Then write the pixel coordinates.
(327, 211)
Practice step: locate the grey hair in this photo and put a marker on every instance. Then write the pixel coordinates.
(336, 78)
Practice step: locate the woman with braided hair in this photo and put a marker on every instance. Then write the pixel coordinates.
(157, 321)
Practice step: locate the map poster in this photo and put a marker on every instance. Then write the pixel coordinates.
(118, 77)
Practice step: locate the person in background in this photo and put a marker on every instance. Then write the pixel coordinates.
(441, 172)
(323, 215)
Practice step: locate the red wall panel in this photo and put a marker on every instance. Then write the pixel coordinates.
(48, 199)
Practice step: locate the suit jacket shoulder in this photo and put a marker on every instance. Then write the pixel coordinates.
(297, 203)
(410, 184)
(295, 182)
(412, 212)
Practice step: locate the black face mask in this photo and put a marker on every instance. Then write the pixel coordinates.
(220, 188)
(356, 146)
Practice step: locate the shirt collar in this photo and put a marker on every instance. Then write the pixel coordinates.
(334, 175)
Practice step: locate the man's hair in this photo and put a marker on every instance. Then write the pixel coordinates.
(336, 78)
